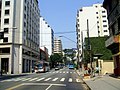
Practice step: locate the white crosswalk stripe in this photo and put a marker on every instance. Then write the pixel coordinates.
(33, 79)
(55, 79)
(63, 79)
(47, 79)
(40, 79)
(70, 80)
(26, 79)
(78, 80)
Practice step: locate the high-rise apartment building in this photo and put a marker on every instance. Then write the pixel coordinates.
(113, 42)
(57, 46)
(96, 16)
(46, 36)
(19, 49)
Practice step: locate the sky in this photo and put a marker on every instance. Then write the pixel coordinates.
(61, 16)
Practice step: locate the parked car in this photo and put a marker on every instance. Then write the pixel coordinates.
(57, 67)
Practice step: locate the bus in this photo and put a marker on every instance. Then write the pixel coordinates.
(42, 67)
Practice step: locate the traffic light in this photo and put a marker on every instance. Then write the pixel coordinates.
(1, 35)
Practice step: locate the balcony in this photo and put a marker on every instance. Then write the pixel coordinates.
(112, 40)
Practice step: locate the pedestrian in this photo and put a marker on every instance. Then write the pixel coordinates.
(89, 71)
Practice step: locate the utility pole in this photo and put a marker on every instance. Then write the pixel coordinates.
(89, 46)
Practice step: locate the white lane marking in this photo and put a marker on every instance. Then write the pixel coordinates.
(70, 80)
(60, 72)
(70, 72)
(55, 79)
(67, 72)
(33, 79)
(49, 87)
(40, 79)
(47, 79)
(63, 79)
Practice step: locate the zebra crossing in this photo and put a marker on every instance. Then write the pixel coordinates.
(50, 79)
(62, 72)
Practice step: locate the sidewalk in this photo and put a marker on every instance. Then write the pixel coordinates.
(7, 76)
(105, 82)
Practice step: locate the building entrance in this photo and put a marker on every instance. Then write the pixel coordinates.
(4, 65)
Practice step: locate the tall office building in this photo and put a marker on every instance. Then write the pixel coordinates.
(57, 46)
(96, 16)
(46, 36)
(19, 49)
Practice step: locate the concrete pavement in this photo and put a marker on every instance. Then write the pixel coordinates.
(106, 82)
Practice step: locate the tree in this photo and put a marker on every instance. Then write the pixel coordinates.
(69, 53)
(97, 46)
(56, 58)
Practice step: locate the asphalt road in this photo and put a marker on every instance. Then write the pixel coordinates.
(63, 79)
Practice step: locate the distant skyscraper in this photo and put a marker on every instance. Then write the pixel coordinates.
(19, 50)
(46, 36)
(97, 23)
(57, 46)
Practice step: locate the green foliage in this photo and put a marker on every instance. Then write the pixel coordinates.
(97, 46)
(56, 58)
(70, 53)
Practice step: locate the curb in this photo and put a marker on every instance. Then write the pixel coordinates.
(87, 87)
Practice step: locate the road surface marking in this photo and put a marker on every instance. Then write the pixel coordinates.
(70, 80)
(47, 79)
(40, 79)
(55, 79)
(48, 87)
(64, 72)
(63, 79)
(33, 79)
(11, 88)
(25, 79)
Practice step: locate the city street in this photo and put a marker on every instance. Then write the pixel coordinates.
(63, 79)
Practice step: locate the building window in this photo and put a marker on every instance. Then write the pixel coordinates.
(104, 21)
(24, 24)
(7, 3)
(104, 25)
(6, 21)
(5, 39)
(5, 30)
(103, 11)
(96, 12)
(7, 12)
(105, 30)
(104, 16)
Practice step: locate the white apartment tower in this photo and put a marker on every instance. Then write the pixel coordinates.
(46, 36)
(97, 23)
(57, 46)
(19, 49)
